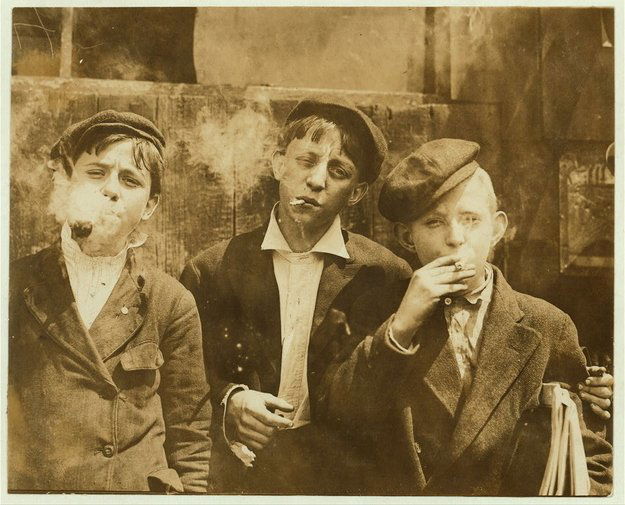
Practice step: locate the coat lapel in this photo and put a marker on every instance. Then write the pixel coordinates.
(123, 312)
(52, 303)
(503, 341)
(252, 277)
(437, 360)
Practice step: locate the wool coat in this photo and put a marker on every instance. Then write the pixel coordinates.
(238, 300)
(122, 406)
(428, 437)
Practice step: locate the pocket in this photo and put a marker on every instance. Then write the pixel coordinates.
(144, 356)
(165, 480)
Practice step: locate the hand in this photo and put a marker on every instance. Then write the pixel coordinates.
(598, 391)
(250, 414)
(427, 286)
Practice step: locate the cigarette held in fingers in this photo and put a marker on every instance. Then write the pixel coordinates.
(297, 201)
(459, 265)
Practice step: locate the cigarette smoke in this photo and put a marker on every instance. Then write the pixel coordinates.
(85, 208)
(237, 147)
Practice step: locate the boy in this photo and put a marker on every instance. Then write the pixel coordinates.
(107, 390)
(272, 302)
(445, 388)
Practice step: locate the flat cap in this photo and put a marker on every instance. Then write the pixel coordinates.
(420, 179)
(344, 113)
(108, 121)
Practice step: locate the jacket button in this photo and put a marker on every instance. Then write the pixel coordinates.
(108, 451)
(448, 301)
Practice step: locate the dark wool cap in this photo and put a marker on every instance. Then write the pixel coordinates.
(420, 179)
(342, 112)
(108, 121)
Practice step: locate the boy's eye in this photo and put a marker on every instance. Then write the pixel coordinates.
(339, 173)
(470, 219)
(95, 172)
(306, 161)
(131, 181)
(432, 223)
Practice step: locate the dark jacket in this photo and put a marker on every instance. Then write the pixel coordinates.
(237, 295)
(429, 440)
(119, 407)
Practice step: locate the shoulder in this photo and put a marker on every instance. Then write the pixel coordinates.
(29, 269)
(540, 311)
(565, 360)
(369, 252)
(230, 249)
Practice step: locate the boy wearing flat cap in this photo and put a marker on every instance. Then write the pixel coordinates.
(273, 302)
(107, 389)
(446, 386)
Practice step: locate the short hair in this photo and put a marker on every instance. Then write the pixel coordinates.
(482, 176)
(351, 143)
(146, 155)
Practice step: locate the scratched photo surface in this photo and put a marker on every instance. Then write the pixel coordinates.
(534, 87)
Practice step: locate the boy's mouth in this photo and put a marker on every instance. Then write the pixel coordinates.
(303, 200)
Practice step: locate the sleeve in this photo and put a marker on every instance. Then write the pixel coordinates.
(184, 394)
(567, 364)
(210, 303)
(361, 385)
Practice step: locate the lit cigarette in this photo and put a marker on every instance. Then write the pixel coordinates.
(297, 201)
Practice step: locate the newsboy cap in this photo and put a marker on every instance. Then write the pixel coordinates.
(344, 113)
(420, 179)
(108, 121)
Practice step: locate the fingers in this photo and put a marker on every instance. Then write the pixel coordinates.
(444, 260)
(603, 414)
(454, 277)
(600, 392)
(272, 402)
(270, 419)
(603, 403)
(603, 380)
(450, 269)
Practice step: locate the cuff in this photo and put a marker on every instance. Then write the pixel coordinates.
(240, 450)
(412, 349)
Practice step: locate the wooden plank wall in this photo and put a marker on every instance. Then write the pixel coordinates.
(219, 143)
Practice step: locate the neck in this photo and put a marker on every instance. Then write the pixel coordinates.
(92, 248)
(301, 237)
(477, 280)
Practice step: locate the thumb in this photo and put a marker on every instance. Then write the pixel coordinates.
(273, 402)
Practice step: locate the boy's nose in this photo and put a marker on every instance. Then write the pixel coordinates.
(455, 235)
(316, 179)
(111, 187)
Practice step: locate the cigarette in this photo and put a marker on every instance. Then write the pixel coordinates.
(81, 229)
(459, 265)
(297, 201)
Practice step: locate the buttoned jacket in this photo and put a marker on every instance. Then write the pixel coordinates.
(429, 437)
(121, 406)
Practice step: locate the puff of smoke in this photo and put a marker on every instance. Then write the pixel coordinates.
(238, 147)
(86, 209)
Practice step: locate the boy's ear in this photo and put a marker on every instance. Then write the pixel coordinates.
(358, 193)
(500, 225)
(150, 207)
(277, 164)
(404, 236)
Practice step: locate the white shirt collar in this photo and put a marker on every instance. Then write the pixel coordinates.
(331, 242)
(485, 290)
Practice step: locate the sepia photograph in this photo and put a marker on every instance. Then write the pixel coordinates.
(311, 251)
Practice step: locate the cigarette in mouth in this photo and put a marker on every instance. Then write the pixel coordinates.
(81, 229)
(297, 201)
